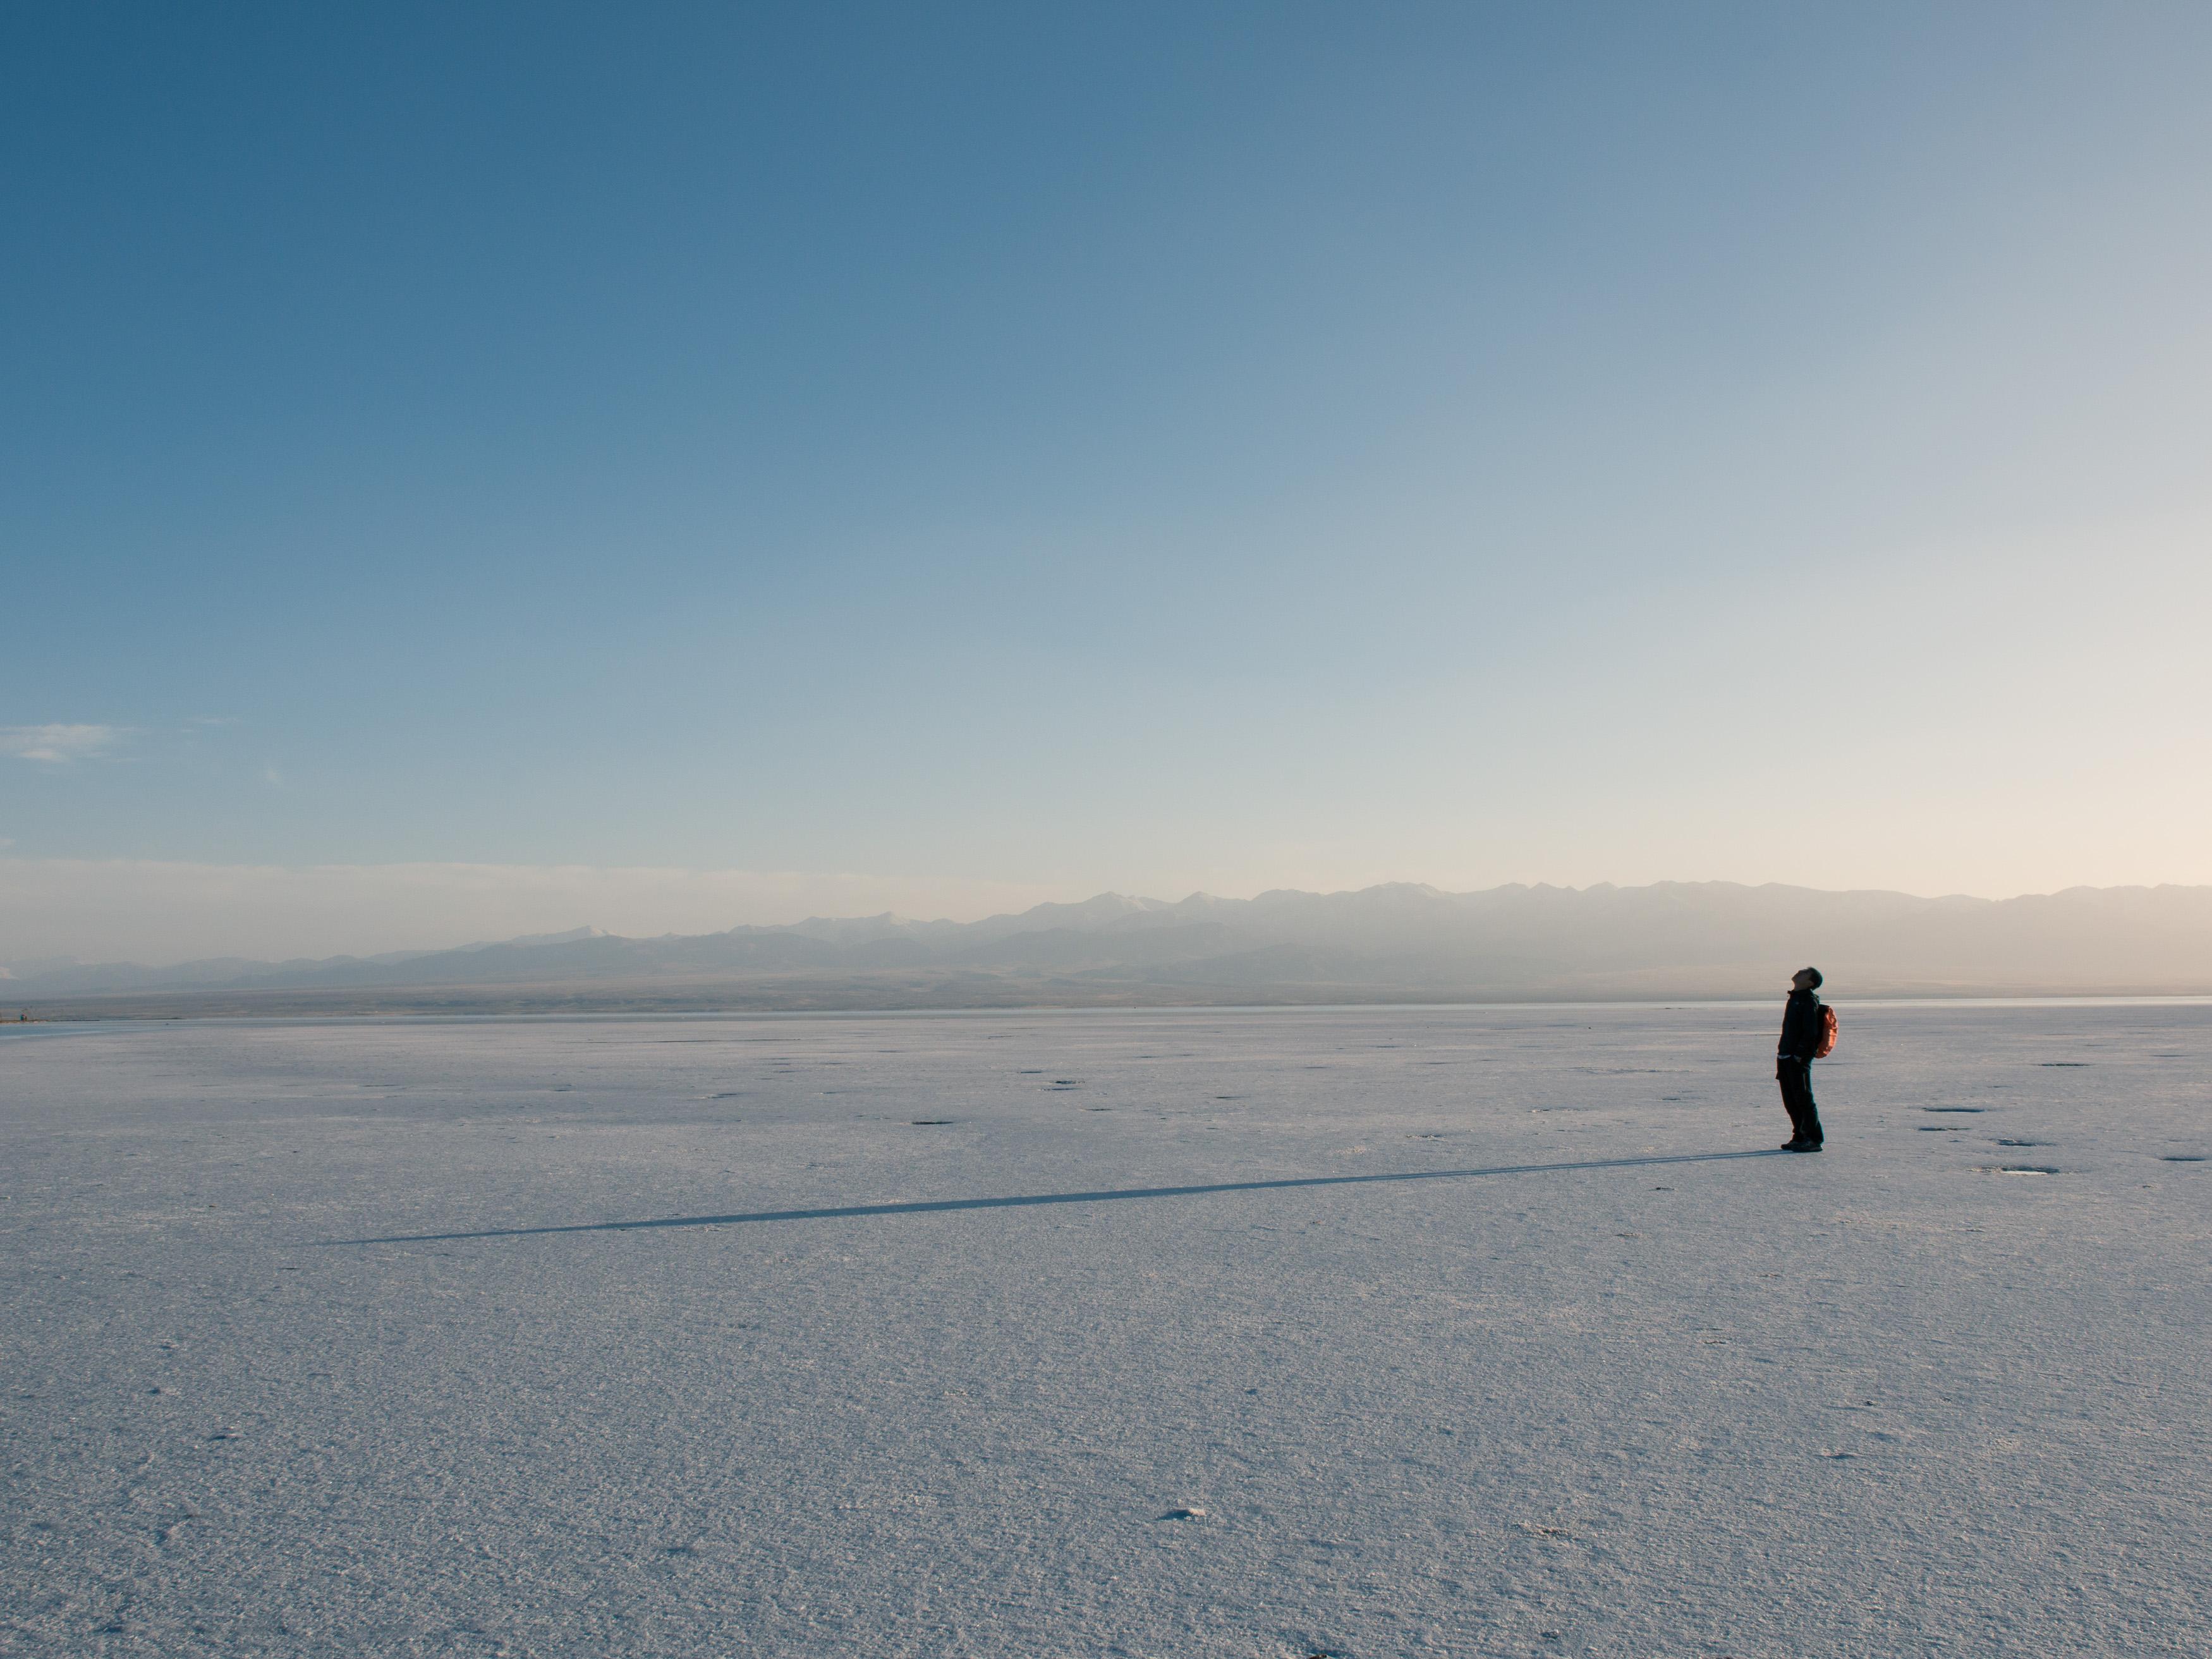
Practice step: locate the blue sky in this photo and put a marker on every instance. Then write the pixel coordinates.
(1030, 450)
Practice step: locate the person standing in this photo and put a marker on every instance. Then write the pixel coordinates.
(1801, 1030)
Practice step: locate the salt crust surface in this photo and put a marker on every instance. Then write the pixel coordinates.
(1888, 1400)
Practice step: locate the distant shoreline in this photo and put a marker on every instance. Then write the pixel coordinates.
(568, 1002)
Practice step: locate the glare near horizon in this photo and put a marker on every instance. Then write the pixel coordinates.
(473, 474)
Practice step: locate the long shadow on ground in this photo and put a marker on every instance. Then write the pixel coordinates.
(932, 1207)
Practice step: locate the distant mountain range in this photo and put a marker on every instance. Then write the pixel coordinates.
(1394, 943)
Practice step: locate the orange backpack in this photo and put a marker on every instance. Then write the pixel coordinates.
(1826, 1045)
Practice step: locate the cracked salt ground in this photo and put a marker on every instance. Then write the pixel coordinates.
(850, 1389)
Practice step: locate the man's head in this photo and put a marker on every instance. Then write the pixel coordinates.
(1806, 979)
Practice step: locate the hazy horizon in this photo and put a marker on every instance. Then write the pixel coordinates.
(274, 915)
(161, 913)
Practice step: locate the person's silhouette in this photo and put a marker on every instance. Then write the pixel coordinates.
(1793, 1060)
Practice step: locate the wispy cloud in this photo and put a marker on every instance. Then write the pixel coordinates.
(58, 744)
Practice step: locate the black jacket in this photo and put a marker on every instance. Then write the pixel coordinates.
(1800, 1027)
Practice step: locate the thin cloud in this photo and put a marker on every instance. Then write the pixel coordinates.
(58, 744)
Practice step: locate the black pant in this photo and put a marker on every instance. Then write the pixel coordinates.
(1795, 1077)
